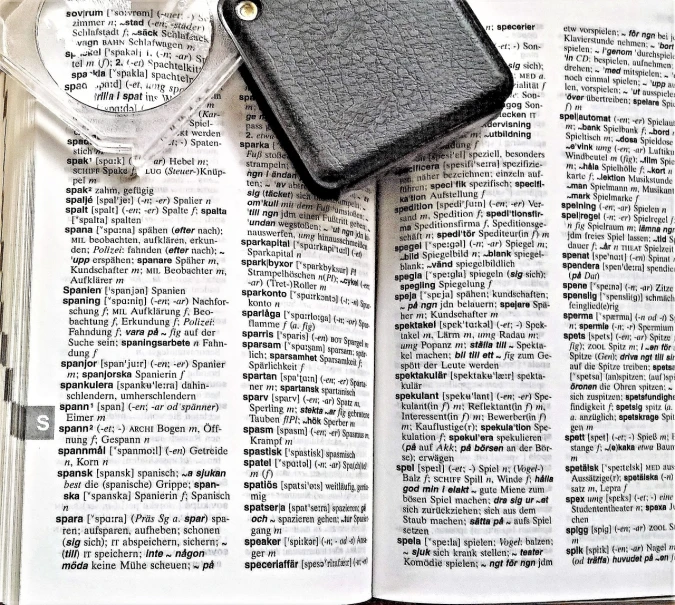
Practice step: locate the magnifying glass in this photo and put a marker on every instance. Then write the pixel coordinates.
(127, 74)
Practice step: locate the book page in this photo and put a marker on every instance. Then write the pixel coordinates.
(5, 409)
(18, 108)
(525, 362)
(201, 351)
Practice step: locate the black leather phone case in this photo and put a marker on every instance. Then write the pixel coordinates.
(357, 85)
